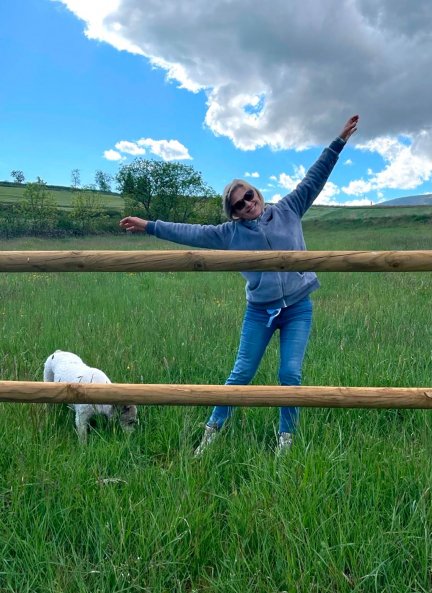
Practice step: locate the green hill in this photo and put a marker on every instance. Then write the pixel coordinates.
(421, 200)
(356, 216)
(317, 216)
(11, 193)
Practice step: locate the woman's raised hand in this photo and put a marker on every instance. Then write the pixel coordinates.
(349, 128)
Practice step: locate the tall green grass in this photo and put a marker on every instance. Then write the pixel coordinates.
(349, 509)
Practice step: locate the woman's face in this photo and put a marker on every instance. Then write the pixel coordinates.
(245, 203)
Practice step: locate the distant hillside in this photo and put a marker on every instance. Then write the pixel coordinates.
(403, 211)
(11, 193)
(338, 217)
(422, 200)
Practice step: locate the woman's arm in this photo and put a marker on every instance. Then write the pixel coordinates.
(194, 235)
(310, 187)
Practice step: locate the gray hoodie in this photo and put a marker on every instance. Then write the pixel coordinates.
(278, 228)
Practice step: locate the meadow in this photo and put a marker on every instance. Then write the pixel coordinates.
(13, 193)
(347, 510)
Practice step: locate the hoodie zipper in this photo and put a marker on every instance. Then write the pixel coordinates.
(271, 248)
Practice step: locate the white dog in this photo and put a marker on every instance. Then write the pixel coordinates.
(69, 368)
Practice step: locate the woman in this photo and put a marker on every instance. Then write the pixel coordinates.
(275, 300)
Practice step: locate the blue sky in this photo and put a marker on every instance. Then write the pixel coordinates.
(231, 96)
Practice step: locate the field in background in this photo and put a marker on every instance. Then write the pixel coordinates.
(13, 193)
(318, 215)
(355, 216)
(348, 510)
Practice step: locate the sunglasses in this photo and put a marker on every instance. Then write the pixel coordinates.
(247, 197)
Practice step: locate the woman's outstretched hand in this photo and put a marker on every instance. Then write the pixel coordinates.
(349, 128)
(133, 224)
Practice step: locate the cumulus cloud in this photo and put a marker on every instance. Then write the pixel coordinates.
(348, 162)
(326, 198)
(359, 202)
(289, 76)
(255, 174)
(130, 147)
(113, 155)
(167, 150)
(328, 194)
(289, 182)
(275, 198)
(329, 201)
(407, 165)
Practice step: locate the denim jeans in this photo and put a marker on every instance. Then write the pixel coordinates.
(293, 323)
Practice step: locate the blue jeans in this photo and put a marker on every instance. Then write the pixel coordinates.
(294, 323)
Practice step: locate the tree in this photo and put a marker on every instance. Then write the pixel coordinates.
(75, 178)
(103, 180)
(17, 176)
(87, 209)
(38, 208)
(166, 190)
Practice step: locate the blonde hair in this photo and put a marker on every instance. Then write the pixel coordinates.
(227, 193)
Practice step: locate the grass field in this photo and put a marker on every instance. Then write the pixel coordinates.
(319, 215)
(13, 194)
(349, 509)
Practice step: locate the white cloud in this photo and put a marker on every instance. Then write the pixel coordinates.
(129, 147)
(407, 165)
(295, 86)
(254, 174)
(275, 198)
(168, 150)
(290, 182)
(348, 162)
(327, 199)
(113, 155)
(359, 202)
(100, 24)
(328, 193)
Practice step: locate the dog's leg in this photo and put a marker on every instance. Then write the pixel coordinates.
(48, 375)
(128, 417)
(82, 418)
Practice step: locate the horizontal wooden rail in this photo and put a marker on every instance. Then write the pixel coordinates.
(206, 395)
(215, 260)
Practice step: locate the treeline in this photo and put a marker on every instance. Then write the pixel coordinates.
(147, 188)
(64, 188)
(38, 214)
(102, 180)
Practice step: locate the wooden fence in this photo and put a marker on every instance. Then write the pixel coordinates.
(206, 261)
(215, 260)
(206, 395)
